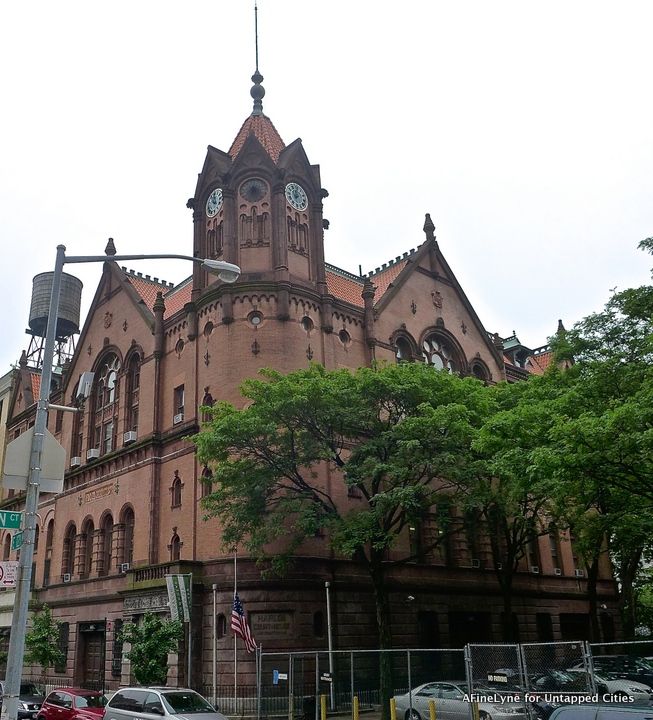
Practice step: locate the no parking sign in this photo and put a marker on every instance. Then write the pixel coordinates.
(8, 573)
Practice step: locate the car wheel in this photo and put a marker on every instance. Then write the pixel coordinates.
(413, 715)
(484, 716)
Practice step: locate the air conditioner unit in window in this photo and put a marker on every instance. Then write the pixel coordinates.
(124, 567)
(557, 571)
(129, 437)
(476, 563)
(67, 577)
(535, 570)
(179, 417)
(75, 461)
(93, 453)
(579, 573)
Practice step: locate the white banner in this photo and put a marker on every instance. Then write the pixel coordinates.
(179, 597)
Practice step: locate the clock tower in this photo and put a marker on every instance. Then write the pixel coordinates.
(259, 205)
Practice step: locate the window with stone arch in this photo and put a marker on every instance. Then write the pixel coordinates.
(175, 490)
(480, 370)
(106, 544)
(126, 548)
(175, 547)
(49, 541)
(133, 383)
(105, 404)
(440, 352)
(404, 346)
(88, 537)
(68, 554)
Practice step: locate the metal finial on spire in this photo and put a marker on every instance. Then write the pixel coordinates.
(257, 91)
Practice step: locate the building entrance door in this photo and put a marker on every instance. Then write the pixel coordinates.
(90, 658)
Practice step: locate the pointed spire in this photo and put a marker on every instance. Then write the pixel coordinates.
(258, 91)
(429, 227)
(561, 328)
(110, 249)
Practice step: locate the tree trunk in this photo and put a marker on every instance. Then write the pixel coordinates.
(385, 636)
(627, 600)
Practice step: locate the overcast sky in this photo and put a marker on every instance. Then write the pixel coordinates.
(523, 128)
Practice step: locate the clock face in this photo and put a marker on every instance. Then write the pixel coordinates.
(253, 190)
(296, 196)
(214, 203)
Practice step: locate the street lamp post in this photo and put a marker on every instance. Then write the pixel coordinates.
(228, 273)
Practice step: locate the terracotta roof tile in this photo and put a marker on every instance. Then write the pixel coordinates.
(539, 362)
(344, 286)
(175, 298)
(178, 297)
(35, 380)
(383, 279)
(265, 133)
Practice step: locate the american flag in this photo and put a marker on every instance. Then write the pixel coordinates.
(239, 624)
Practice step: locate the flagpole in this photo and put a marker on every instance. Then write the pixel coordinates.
(235, 638)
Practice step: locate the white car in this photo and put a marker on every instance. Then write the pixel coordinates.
(641, 694)
(452, 703)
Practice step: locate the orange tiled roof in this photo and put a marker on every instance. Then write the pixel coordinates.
(383, 279)
(178, 297)
(539, 362)
(175, 297)
(265, 133)
(35, 380)
(344, 286)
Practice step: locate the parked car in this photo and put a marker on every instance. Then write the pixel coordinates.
(29, 701)
(626, 667)
(72, 704)
(635, 692)
(601, 712)
(452, 703)
(155, 703)
(560, 683)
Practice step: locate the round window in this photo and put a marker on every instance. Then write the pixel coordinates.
(344, 336)
(307, 323)
(255, 318)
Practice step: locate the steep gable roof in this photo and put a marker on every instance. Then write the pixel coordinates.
(175, 297)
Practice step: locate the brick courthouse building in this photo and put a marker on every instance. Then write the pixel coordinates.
(130, 511)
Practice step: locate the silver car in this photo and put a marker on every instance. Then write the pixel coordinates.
(452, 702)
(157, 703)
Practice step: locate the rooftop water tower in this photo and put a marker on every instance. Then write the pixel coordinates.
(70, 299)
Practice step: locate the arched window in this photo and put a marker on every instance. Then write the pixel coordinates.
(439, 352)
(403, 350)
(205, 480)
(175, 547)
(88, 531)
(107, 544)
(175, 490)
(68, 555)
(221, 626)
(127, 521)
(49, 539)
(133, 387)
(106, 405)
(6, 547)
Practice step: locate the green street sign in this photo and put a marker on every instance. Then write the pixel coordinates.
(11, 520)
(17, 540)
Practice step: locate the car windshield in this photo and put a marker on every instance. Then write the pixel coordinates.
(187, 702)
(29, 689)
(90, 701)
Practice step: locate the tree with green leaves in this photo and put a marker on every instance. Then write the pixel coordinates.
(151, 640)
(42, 641)
(399, 436)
